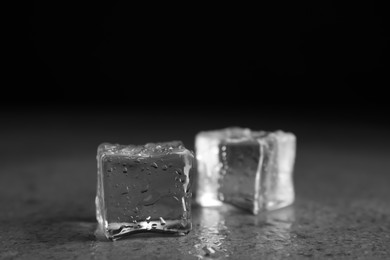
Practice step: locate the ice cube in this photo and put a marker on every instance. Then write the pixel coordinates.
(250, 169)
(144, 188)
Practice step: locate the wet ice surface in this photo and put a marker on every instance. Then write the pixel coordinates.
(341, 210)
(144, 189)
(249, 169)
(45, 215)
(215, 235)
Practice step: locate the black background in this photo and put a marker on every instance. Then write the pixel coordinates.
(310, 59)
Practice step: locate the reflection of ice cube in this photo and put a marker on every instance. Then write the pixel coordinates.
(250, 169)
(144, 189)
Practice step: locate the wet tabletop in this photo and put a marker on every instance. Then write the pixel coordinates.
(48, 185)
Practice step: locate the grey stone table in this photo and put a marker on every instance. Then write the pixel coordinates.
(48, 184)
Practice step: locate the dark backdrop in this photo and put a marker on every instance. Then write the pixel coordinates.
(297, 58)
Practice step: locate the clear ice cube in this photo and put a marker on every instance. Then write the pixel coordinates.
(250, 169)
(144, 188)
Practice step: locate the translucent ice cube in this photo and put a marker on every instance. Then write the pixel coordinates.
(144, 188)
(250, 169)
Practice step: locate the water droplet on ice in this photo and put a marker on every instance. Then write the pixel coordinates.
(165, 168)
(152, 198)
(148, 219)
(148, 200)
(125, 170)
(145, 189)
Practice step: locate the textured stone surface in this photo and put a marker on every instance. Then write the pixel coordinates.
(342, 207)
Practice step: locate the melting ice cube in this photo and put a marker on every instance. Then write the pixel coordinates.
(250, 169)
(144, 188)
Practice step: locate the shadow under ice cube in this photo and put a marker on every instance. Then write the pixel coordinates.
(144, 189)
(250, 169)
